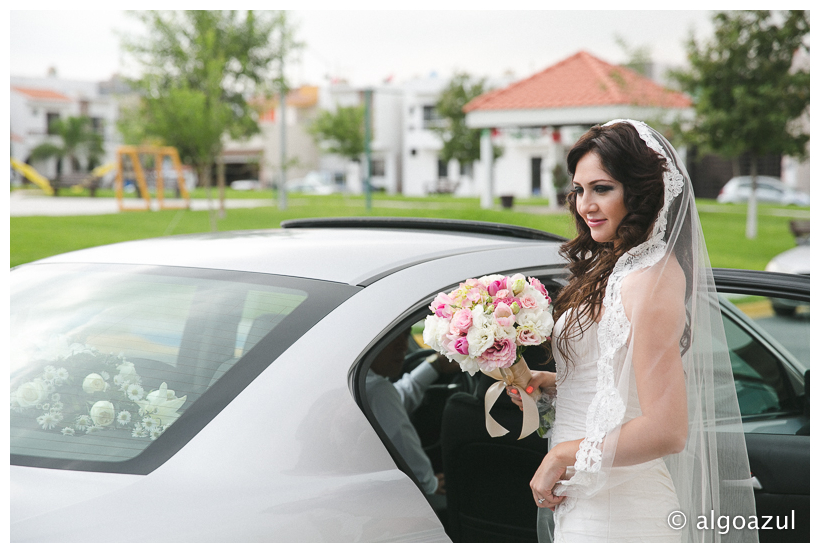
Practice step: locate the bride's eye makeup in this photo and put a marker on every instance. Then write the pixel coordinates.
(602, 188)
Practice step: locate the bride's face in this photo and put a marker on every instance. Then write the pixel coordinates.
(599, 198)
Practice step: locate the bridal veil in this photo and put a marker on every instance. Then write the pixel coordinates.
(711, 474)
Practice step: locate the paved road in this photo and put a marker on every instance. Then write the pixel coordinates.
(24, 204)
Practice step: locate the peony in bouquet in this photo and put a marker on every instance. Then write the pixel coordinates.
(484, 325)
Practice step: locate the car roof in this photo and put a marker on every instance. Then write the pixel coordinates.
(351, 251)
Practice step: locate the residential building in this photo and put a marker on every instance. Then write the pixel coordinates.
(537, 119)
(36, 101)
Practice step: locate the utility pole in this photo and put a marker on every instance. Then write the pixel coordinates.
(283, 192)
(368, 108)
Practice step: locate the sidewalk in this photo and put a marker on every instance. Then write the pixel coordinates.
(26, 204)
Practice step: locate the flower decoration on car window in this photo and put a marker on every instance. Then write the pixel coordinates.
(84, 391)
(484, 325)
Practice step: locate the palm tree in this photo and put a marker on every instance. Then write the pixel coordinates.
(77, 137)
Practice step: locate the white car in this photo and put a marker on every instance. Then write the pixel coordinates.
(769, 190)
(249, 184)
(211, 388)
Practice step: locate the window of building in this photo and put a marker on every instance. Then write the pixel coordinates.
(442, 168)
(376, 167)
(431, 117)
(97, 125)
(50, 119)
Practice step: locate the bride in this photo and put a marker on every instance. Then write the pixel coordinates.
(647, 443)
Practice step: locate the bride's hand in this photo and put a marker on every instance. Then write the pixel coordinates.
(538, 380)
(548, 474)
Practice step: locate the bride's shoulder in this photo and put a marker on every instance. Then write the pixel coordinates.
(661, 286)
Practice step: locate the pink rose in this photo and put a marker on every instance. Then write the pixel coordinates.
(528, 337)
(461, 322)
(502, 293)
(460, 345)
(535, 283)
(474, 283)
(504, 315)
(441, 306)
(500, 355)
(527, 302)
(496, 285)
(474, 295)
(505, 301)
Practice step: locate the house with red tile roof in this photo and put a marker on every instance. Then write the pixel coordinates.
(538, 118)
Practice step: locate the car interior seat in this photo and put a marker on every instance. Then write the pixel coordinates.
(487, 479)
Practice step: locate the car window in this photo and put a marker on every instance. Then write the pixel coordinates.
(106, 359)
(766, 350)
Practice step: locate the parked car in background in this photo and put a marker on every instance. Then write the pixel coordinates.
(318, 183)
(248, 184)
(795, 261)
(769, 190)
(211, 388)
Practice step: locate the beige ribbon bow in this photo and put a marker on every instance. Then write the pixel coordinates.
(517, 376)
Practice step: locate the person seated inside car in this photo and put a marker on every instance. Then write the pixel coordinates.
(392, 402)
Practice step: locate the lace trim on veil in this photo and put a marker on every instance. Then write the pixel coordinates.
(607, 408)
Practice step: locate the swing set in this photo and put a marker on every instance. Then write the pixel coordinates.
(130, 167)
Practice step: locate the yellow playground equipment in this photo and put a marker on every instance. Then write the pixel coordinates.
(129, 164)
(31, 174)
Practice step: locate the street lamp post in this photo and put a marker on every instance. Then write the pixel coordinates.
(368, 108)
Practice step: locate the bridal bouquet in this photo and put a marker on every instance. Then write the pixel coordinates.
(484, 325)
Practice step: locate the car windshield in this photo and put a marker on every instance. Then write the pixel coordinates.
(105, 359)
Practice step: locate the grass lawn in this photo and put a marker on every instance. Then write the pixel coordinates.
(37, 237)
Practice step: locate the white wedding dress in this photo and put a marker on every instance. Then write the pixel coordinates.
(637, 501)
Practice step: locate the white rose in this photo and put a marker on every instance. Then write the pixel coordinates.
(94, 383)
(30, 393)
(538, 319)
(435, 328)
(483, 332)
(102, 413)
(126, 369)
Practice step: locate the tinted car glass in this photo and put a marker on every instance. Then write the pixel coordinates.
(106, 359)
(764, 380)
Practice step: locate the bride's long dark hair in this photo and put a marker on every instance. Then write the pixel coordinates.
(628, 160)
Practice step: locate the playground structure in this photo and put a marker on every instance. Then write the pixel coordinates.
(130, 166)
(77, 182)
(31, 174)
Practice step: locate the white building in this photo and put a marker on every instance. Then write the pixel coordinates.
(36, 101)
(538, 118)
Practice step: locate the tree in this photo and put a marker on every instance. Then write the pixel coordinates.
(77, 139)
(748, 94)
(460, 142)
(199, 70)
(341, 131)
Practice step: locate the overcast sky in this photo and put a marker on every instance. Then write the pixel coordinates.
(365, 47)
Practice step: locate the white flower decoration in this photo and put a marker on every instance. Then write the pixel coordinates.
(162, 404)
(67, 431)
(47, 421)
(134, 392)
(94, 383)
(30, 393)
(102, 413)
(123, 418)
(149, 423)
(155, 433)
(83, 422)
